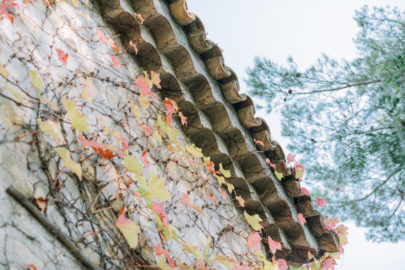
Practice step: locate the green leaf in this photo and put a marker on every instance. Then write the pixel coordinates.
(157, 188)
(68, 162)
(279, 175)
(79, 120)
(133, 165)
(35, 79)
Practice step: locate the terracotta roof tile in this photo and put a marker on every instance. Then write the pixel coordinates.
(172, 41)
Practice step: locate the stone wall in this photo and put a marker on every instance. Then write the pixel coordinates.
(58, 51)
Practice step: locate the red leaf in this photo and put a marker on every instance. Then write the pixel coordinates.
(212, 198)
(223, 193)
(145, 159)
(147, 129)
(139, 16)
(143, 86)
(271, 164)
(99, 148)
(159, 209)
(159, 251)
(186, 200)
(305, 191)
(116, 63)
(254, 241)
(102, 36)
(291, 158)
(258, 142)
(32, 266)
(133, 45)
(329, 264)
(301, 219)
(170, 105)
(62, 56)
(274, 245)
(282, 264)
(321, 202)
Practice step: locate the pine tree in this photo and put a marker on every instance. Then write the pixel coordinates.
(347, 120)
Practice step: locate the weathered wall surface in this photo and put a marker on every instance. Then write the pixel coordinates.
(99, 80)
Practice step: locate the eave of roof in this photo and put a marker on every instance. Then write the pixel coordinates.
(221, 121)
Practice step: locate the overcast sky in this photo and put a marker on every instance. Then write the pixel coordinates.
(303, 29)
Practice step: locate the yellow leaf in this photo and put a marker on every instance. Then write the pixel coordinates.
(157, 188)
(35, 79)
(194, 151)
(133, 165)
(89, 90)
(15, 94)
(225, 261)
(3, 72)
(230, 187)
(192, 249)
(75, 3)
(79, 120)
(162, 263)
(253, 220)
(144, 101)
(48, 128)
(128, 228)
(240, 200)
(221, 179)
(226, 173)
(269, 266)
(47, 101)
(68, 162)
(135, 110)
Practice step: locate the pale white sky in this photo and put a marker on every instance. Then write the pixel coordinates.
(303, 29)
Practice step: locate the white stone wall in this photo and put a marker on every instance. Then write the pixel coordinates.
(86, 209)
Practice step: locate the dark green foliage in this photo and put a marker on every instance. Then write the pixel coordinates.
(347, 119)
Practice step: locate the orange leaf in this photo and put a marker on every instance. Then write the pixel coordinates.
(41, 203)
(182, 118)
(99, 148)
(145, 159)
(155, 78)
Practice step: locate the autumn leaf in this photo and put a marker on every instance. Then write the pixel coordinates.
(62, 56)
(102, 36)
(133, 165)
(329, 264)
(305, 191)
(139, 16)
(271, 164)
(301, 219)
(79, 120)
(133, 45)
(128, 228)
(68, 162)
(273, 245)
(183, 118)
(258, 142)
(157, 188)
(299, 170)
(145, 159)
(116, 63)
(147, 129)
(41, 203)
(226, 173)
(223, 193)
(75, 3)
(291, 158)
(253, 241)
(279, 175)
(48, 127)
(142, 83)
(321, 202)
(212, 198)
(282, 264)
(32, 266)
(155, 79)
(35, 79)
(143, 101)
(253, 220)
(160, 251)
(159, 210)
(240, 200)
(101, 149)
(186, 200)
